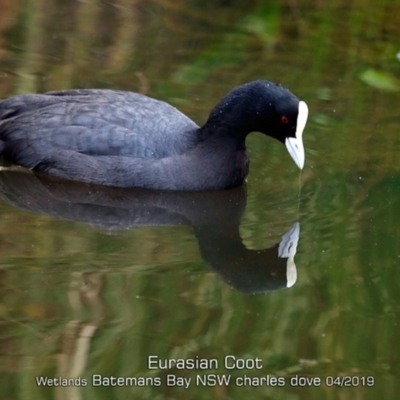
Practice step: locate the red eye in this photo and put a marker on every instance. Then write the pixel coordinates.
(284, 120)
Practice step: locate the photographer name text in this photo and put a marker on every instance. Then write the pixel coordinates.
(231, 364)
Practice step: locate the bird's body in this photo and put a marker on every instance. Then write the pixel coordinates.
(126, 139)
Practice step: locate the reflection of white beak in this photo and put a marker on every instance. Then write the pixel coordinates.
(296, 150)
(295, 144)
(287, 249)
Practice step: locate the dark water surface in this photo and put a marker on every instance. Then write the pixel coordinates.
(93, 281)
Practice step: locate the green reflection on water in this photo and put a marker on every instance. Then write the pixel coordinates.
(65, 285)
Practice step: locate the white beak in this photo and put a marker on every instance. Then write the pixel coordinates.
(295, 144)
(296, 150)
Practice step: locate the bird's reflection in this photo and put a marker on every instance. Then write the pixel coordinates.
(214, 215)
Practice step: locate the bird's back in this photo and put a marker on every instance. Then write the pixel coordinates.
(92, 122)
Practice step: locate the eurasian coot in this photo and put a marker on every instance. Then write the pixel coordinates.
(126, 139)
